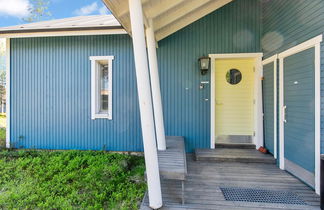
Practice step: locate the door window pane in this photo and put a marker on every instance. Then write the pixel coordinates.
(233, 76)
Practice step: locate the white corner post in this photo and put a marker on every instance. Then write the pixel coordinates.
(8, 92)
(155, 85)
(258, 117)
(145, 104)
(318, 117)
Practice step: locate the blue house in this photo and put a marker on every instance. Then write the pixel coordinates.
(225, 72)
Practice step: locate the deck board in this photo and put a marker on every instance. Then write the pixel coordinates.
(204, 179)
(172, 161)
(234, 155)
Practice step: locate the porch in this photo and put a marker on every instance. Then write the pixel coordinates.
(204, 179)
(235, 102)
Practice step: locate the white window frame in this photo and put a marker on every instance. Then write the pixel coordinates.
(95, 114)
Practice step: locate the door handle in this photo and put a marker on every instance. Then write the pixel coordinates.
(284, 114)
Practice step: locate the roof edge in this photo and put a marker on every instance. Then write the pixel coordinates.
(63, 33)
(60, 29)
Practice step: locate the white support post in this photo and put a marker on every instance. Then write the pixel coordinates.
(155, 85)
(145, 104)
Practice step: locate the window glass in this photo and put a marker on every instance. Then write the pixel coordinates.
(233, 76)
(104, 92)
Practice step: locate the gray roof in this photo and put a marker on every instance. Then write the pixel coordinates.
(67, 24)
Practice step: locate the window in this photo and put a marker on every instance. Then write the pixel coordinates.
(101, 87)
(233, 76)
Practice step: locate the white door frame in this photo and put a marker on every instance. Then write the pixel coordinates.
(258, 111)
(314, 42)
(273, 59)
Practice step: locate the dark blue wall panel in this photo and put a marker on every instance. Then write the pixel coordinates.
(299, 97)
(291, 22)
(268, 106)
(235, 28)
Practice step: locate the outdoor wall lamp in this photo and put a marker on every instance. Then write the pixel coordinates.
(204, 64)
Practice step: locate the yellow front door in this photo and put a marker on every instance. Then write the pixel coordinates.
(234, 103)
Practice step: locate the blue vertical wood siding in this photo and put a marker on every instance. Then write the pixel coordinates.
(50, 93)
(235, 28)
(50, 83)
(268, 106)
(299, 97)
(292, 22)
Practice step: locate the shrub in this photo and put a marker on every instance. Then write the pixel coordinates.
(70, 180)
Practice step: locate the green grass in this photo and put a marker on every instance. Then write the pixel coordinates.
(3, 124)
(70, 180)
(2, 137)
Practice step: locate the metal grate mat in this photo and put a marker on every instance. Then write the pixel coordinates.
(261, 196)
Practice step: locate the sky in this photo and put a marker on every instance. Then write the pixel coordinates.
(12, 12)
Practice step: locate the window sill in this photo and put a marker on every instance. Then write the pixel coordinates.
(101, 116)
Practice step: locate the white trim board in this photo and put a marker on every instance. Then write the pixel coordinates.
(64, 33)
(315, 42)
(273, 59)
(258, 112)
(270, 59)
(301, 47)
(8, 92)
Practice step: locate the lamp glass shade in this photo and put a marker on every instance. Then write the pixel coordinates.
(204, 63)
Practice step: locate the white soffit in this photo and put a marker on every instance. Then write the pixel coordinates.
(168, 16)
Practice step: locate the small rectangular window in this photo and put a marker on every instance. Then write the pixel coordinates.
(101, 87)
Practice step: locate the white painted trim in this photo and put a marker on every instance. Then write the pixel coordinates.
(273, 59)
(275, 140)
(8, 92)
(64, 33)
(95, 114)
(270, 59)
(317, 117)
(258, 108)
(301, 47)
(189, 17)
(281, 116)
(258, 112)
(110, 89)
(212, 102)
(190, 7)
(315, 42)
(235, 55)
(101, 58)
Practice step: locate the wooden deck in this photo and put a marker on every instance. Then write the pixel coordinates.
(172, 161)
(234, 155)
(204, 179)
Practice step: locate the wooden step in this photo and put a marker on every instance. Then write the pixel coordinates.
(233, 155)
(235, 145)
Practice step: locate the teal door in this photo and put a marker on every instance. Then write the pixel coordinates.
(299, 125)
(268, 107)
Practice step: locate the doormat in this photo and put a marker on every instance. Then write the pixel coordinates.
(261, 196)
